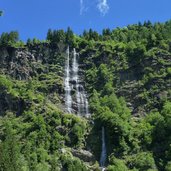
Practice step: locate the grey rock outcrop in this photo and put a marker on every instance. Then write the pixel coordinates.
(84, 155)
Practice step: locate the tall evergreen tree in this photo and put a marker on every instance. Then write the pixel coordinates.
(10, 151)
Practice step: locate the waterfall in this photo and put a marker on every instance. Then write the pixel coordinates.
(73, 82)
(82, 102)
(103, 152)
(67, 87)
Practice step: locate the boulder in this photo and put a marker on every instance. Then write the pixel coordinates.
(84, 155)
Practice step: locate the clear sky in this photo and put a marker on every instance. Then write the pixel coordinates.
(32, 18)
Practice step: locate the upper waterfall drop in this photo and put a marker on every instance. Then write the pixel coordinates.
(67, 87)
(75, 66)
(75, 79)
(78, 102)
(82, 102)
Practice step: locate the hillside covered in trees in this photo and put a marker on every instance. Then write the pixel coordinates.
(126, 73)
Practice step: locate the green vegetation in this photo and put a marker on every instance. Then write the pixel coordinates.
(127, 73)
(11, 39)
(37, 139)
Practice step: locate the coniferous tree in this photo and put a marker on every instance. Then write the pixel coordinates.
(69, 36)
(10, 151)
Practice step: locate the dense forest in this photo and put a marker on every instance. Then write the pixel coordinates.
(127, 76)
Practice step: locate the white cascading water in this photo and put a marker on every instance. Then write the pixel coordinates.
(68, 98)
(86, 106)
(82, 102)
(103, 152)
(72, 81)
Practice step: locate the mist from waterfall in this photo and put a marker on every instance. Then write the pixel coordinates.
(103, 151)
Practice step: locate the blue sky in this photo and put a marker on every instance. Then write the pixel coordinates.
(32, 18)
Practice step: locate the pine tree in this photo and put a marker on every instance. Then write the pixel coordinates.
(9, 151)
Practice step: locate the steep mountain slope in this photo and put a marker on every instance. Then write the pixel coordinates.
(127, 76)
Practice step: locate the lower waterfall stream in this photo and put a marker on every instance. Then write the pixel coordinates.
(103, 150)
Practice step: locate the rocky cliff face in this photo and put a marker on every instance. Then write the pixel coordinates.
(148, 78)
(25, 63)
(144, 82)
(18, 63)
(134, 83)
(40, 62)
